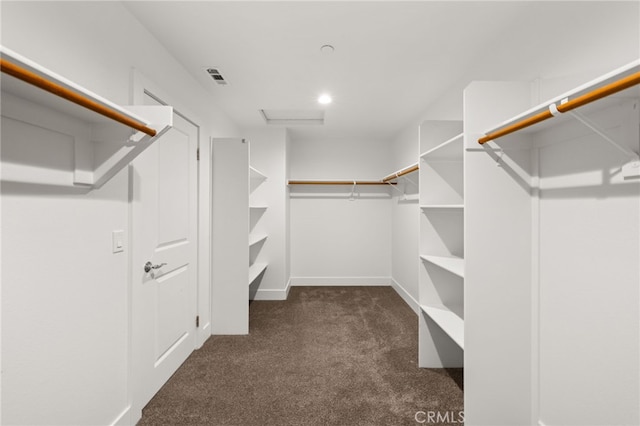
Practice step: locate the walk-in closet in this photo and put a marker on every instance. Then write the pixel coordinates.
(320, 213)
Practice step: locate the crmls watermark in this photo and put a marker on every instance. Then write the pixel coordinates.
(435, 417)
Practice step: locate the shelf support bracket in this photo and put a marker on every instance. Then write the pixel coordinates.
(408, 179)
(404, 196)
(631, 168)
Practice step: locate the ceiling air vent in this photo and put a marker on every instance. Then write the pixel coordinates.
(216, 76)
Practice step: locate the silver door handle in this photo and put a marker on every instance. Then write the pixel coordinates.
(149, 266)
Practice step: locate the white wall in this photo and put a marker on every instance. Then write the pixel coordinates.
(64, 305)
(65, 297)
(335, 240)
(405, 218)
(405, 150)
(589, 274)
(268, 153)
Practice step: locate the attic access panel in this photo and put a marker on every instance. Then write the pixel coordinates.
(293, 116)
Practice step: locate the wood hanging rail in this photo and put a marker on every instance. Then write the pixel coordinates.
(339, 182)
(402, 172)
(51, 87)
(384, 181)
(594, 95)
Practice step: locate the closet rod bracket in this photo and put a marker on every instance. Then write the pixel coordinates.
(404, 196)
(629, 170)
(409, 180)
(597, 130)
(352, 197)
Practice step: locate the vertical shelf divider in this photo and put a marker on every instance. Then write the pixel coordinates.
(441, 275)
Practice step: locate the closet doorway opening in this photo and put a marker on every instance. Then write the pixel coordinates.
(164, 265)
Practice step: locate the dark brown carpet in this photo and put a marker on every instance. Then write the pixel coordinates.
(326, 356)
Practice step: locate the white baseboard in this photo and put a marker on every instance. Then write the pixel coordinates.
(413, 303)
(271, 295)
(340, 281)
(124, 418)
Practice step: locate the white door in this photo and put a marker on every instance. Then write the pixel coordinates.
(164, 237)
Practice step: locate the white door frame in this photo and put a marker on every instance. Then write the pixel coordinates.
(141, 85)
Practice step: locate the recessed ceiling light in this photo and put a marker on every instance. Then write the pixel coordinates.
(327, 49)
(324, 99)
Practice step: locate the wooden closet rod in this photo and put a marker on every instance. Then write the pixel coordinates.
(594, 95)
(58, 90)
(402, 172)
(338, 182)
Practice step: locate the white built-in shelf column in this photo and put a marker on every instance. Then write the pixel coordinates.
(441, 279)
(257, 237)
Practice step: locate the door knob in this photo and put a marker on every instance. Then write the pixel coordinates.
(149, 266)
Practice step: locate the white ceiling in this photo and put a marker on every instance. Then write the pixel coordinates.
(392, 59)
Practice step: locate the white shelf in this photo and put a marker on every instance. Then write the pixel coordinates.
(255, 239)
(449, 322)
(256, 178)
(621, 72)
(256, 174)
(449, 150)
(255, 270)
(410, 197)
(453, 264)
(94, 162)
(258, 207)
(442, 206)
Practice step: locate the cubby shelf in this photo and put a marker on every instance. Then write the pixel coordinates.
(106, 136)
(410, 197)
(449, 150)
(255, 239)
(255, 270)
(448, 321)
(453, 264)
(442, 206)
(256, 174)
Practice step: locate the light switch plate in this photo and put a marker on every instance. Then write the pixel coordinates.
(117, 241)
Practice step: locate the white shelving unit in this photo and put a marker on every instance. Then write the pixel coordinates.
(98, 140)
(257, 236)
(441, 275)
(239, 234)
